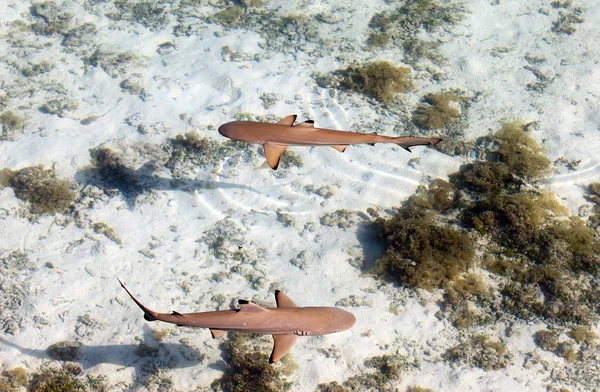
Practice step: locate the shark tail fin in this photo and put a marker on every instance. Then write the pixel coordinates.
(149, 317)
(408, 141)
(148, 314)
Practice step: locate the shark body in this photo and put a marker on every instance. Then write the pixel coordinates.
(285, 323)
(275, 138)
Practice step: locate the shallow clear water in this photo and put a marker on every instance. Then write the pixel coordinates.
(120, 102)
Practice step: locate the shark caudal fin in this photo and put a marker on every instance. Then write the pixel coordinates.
(148, 314)
(408, 141)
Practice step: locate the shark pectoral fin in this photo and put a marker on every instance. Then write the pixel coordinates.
(340, 148)
(217, 333)
(372, 134)
(289, 120)
(283, 301)
(281, 346)
(247, 306)
(273, 154)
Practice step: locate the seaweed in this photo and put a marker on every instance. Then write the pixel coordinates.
(437, 110)
(49, 19)
(378, 79)
(13, 380)
(229, 16)
(40, 188)
(520, 152)
(421, 251)
(190, 151)
(480, 351)
(11, 125)
(250, 369)
(386, 373)
(341, 218)
(404, 25)
(546, 263)
(66, 378)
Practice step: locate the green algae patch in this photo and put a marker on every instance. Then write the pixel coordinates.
(378, 79)
(250, 369)
(40, 188)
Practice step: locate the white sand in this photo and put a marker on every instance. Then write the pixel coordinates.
(192, 88)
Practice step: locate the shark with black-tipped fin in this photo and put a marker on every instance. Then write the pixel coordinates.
(285, 323)
(275, 138)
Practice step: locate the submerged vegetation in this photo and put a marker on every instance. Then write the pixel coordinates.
(40, 188)
(11, 125)
(546, 264)
(404, 25)
(250, 369)
(378, 79)
(437, 110)
(190, 150)
(480, 351)
(65, 378)
(387, 372)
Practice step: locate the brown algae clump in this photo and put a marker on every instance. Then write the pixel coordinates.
(437, 110)
(378, 79)
(13, 380)
(11, 125)
(40, 188)
(421, 251)
(67, 378)
(250, 369)
(520, 152)
(190, 150)
(480, 351)
(405, 26)
(387, 372)
(544, 263)
(533, 244)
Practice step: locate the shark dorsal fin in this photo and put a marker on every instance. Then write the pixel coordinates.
(273, 154)
(289, 120)
(283, 301)
(282, 345)
(306, 124)
(247, 306)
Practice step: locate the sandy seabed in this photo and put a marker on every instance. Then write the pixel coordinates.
(86, 75)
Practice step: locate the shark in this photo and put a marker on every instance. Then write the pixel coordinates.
(285, 322)
(275, 138)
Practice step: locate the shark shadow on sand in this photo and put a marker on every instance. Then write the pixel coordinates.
(147, 358)
(110, 173)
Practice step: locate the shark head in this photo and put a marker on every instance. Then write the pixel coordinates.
(233, 130)
(331, 320)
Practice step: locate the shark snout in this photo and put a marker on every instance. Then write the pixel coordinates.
(225, 129)
(347, 320)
